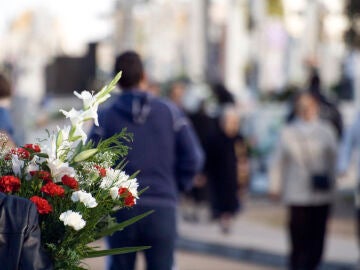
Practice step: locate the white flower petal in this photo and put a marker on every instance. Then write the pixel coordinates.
(73, 219)
(86, 198)
(59, 169)
(17, 165)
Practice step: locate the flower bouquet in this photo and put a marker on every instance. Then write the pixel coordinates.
(75, 185)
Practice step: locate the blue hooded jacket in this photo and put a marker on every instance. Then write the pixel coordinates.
(165, 148)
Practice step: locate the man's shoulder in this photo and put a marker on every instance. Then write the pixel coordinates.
(13, 203)
(163, 102)
(16, 211)
(166, 106)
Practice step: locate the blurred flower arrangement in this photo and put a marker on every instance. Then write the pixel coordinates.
(73, 184)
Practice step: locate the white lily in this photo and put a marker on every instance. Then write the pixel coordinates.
(17, 165)
(88, 98)
(59, 169)
(32, 166)
(74, 115)
(91, 113)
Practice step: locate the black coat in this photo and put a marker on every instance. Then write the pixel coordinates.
(20, 246)
(222, 173)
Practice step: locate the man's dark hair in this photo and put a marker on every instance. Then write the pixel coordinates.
(132, 69)
(5, 87)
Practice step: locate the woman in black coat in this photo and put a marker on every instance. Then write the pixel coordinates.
(222, 169)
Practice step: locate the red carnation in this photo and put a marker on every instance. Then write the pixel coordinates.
(44, 175)
(129, 199)
(70, 182)
(20, 152)
(42, 205)
(101, 170)
(9, 183)
(33, 147)
(53, 189)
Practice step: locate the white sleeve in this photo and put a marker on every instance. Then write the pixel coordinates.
(277, 166)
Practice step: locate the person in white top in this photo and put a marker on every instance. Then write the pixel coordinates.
(303, 172)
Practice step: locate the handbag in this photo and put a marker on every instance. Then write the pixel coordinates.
(320, 182)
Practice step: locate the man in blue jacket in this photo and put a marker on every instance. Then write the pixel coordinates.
(168, 155)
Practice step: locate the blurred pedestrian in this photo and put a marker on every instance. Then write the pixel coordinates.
(6, 123)
(303, 171)
(198, 196)
(168, 155)
(350, 146)
(222, 94)
(177, 92)
(154, 88)
(328, 111)
(222, 168)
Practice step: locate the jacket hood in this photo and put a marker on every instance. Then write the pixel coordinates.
(135, 105)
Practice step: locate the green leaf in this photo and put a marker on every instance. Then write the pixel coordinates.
(59, 139)
(114, 251)
(107, 89)
(42, 155)
(85, 155)
(134, 174)
(74, 139)
(122, 225)
(142, 191)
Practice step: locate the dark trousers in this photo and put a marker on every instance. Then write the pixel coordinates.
(157, 230)
(307, 228)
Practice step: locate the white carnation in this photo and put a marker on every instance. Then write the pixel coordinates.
(113, 178)
(73, 219)
(86, 198)
(122, 178)
(132, 185)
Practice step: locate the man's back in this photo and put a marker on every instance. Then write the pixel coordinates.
(166, 152)
(165, 149)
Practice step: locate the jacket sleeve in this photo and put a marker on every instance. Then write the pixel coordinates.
(189, 154)
(32, 255)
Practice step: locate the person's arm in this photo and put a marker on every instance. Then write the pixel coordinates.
(189, 154)
(276, 168)
(32, 254)
(347, 147)
(332, 152)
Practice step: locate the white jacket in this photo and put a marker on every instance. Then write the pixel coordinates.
(304, 149)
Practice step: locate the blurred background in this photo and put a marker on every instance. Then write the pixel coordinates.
(261, 51)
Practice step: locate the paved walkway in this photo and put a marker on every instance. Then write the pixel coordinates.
(187, 261)
(257, 241)
(259, 236)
